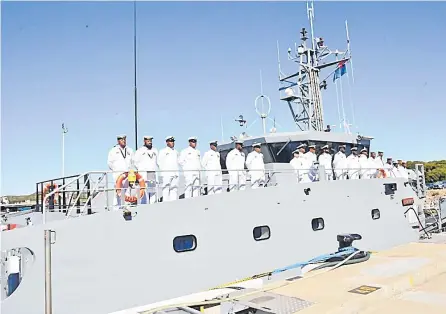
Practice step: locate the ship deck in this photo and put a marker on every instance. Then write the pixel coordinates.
(406, 279)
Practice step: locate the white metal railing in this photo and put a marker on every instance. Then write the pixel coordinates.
(195, 181)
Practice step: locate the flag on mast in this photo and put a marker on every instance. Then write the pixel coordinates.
(340, 70)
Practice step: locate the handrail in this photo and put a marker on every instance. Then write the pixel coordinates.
(57, 190)
(318, 173)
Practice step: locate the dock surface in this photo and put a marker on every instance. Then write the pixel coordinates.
(406, 279)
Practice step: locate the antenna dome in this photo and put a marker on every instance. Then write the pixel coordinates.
(289, 91)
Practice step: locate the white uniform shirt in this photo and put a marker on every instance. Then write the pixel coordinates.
(254, 161)
(120, 159)
(168, 161)
(366, 166)
(190, 159)
(325, 160)
(211, 160)
(235, 160)
(404, 173)
(146, 159)
(311, 157)
(353, 166)
(340, 161)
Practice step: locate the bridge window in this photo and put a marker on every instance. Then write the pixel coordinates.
(184, 243)
(261, 233)
(282, 152)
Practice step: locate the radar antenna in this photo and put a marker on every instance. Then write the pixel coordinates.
(302, 89)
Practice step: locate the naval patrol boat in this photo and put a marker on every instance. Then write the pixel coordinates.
(77, 252)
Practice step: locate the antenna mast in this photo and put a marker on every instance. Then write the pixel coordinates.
(134, 70)
(302, 89)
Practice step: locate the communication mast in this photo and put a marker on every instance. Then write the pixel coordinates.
(302, 89)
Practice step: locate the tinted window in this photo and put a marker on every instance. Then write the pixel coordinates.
(184, 243)
(223, 155)
(282, 152)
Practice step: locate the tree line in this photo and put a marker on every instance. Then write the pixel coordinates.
(434, 170)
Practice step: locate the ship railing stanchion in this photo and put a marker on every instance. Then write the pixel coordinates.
(107, 201)
(48, 283)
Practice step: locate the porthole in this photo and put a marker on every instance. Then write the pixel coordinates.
(184, 243)
(317, 224)
(261, 233)
(376, 214)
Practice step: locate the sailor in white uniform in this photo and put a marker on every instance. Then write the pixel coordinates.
(311, 155)
(340, 163)
(365, 166)
(256, 166)
(120, 158)
(212, 166)
(300, 164)
(403, 170)
(396, 169)
(374, 164)
(389, 169)
(380, 159)
(169, 170)
(235, 163)
(353, 164)
(325, 161)
(190, 162)
(146, 162)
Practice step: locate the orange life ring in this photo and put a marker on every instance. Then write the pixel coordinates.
(381, 174)
(142, 186)
(10, 227)
(47, 188)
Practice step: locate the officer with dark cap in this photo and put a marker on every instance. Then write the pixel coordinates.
(235, 163)
(146, 162)
(120, 157)
(169, 170)
(212, 166)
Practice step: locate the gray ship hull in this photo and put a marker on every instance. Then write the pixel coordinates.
(102, 263)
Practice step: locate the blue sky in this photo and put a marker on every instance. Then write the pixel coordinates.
(72, 63)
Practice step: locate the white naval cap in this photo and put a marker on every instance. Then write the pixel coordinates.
(295, 151)
(354, 148)
(325, 146)
(121, 136)
(192, 138)
(213, 143)
(312, 146)
(256, 144)
(364, 150)
(342, 145)
(301, 146)
(148, 137)
(170, 138)
(239, 142)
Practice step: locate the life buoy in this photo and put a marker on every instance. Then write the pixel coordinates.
(142, 186)
(9, 227)
(381, 174)
(47, 188)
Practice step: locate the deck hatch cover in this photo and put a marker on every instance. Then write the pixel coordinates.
(364, 289)
(273, 303)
